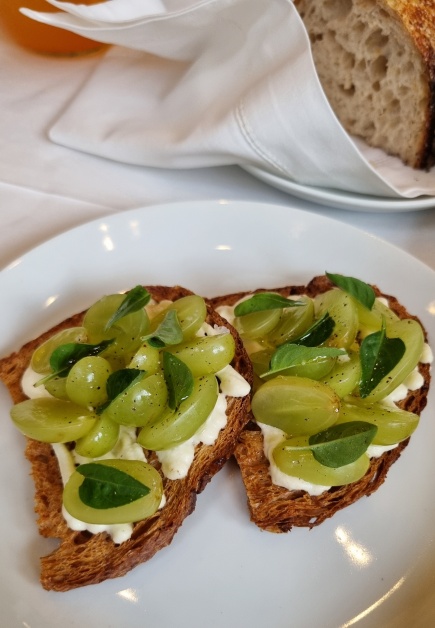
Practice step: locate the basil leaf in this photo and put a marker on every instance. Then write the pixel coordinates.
(378, 356)
(65, 356)
(108, 487)
(168, 332)
(134, 300)
(290, 354)
(358, 289)
(342, 444)
(179, 379)
(264, 301)
(317, 333)
(117, 382)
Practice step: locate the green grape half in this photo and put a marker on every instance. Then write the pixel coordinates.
(52, 420)
(191, 313)
(345, 375)
(207, 354)
(313, 369)
(341, 307)
(293, 323)
(86, 381)
(301, 463)
(40, 361)
(134, 511)
(394, 424)
(126, 332)
(56, 387)
(371, 320)
(146, 359)
(140, 403)
(257, 324)
(101, 438)
(175, 427)
(411, 333)
(296, 405)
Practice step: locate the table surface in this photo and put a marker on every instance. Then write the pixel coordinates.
(46, 189)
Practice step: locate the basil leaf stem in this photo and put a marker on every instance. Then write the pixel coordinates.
(108, 487)
(264, 301)
(358, 289)
(134, 300)
(378, 356)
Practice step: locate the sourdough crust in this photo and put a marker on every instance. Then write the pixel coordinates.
(276, 509)
(416, 20)
(82, 558)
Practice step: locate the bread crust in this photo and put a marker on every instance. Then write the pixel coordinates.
(413, 21)
(277, 509)
(83, 558)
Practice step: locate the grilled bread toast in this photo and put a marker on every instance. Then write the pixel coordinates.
(277, 509)
(83, 558)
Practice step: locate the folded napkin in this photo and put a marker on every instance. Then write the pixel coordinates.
(216, 82)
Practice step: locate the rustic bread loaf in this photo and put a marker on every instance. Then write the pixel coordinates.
(376, 62)
(83, 558)
(277, 509)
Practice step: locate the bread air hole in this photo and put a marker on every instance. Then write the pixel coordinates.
(337, 9)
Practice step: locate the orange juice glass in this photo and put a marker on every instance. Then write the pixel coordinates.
(43, 38)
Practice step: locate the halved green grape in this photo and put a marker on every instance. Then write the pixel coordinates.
(126, 332)
(40, 361)
(411, 333)
(296, 405)
(345, 375)
(301, 463)
(371, 320)
(135, 511)
(101, 438)
(394, 424)
(341, 307)
(207, 354)
(139, 403)
(175, 427)
(294, 322)
(191, 313)
(86, 381)
(51, 420)
(147, 359)
(257, 324)
(56, 387)
(314, 369)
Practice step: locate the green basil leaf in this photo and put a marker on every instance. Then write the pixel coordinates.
(378, 356)
(342, 444)
(291, 354)
(168, 332)
(108, 487)
(179, 379)
(264, 301)
(358, 289)
(117, 382)
(134, 300)
(317, 333)
(65, 356)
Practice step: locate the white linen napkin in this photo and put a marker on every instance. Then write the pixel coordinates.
(216, 82)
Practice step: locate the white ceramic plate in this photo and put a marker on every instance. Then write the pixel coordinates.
(372, 564)
(340, 199)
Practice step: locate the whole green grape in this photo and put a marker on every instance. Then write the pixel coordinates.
(140, 403)
(146, 358)
(101, 438)
(86, 381)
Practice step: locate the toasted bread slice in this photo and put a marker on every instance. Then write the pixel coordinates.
(277, 509)
(83, 558)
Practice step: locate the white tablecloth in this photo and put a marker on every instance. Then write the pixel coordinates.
(46, 189)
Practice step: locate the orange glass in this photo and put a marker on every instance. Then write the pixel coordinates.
(41, 37)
